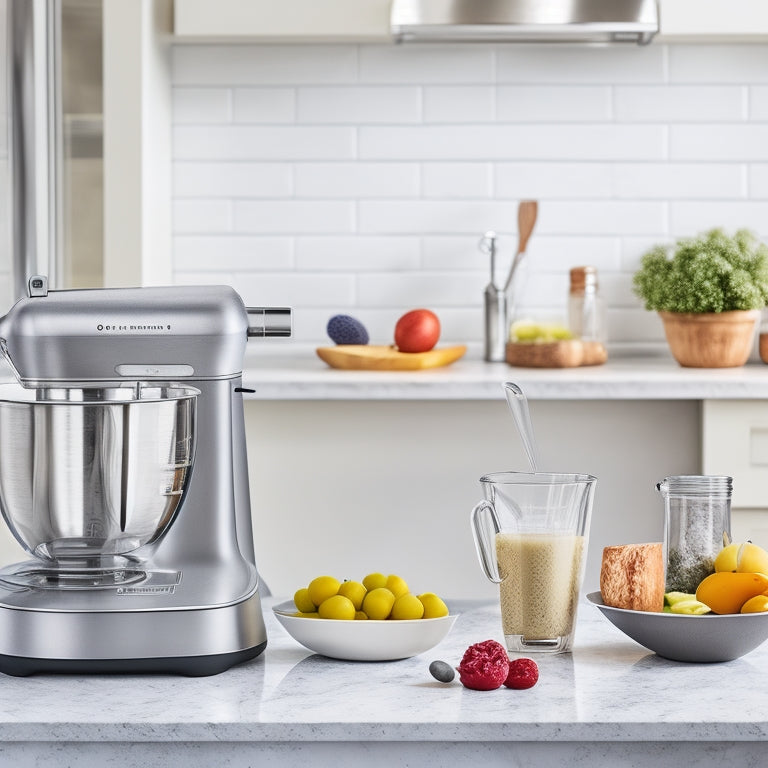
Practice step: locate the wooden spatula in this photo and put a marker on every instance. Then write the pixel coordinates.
(526, 220)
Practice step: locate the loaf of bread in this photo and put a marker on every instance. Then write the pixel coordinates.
(632, 576)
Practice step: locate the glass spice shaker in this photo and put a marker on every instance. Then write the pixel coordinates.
(697, 518)
(586, 314)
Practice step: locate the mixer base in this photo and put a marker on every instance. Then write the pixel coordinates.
(189, 666)
(37, 636)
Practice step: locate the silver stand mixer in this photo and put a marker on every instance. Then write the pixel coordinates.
(123, 472)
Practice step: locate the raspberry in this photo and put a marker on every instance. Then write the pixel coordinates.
(484, 666)
(523, 673)
(344, 329)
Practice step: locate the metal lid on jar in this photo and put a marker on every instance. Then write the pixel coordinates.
(696, 485)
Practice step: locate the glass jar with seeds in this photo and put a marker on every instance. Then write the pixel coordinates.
(697, 520)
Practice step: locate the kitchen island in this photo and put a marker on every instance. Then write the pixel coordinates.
(610, 702)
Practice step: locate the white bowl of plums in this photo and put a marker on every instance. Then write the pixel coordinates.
(375, 619)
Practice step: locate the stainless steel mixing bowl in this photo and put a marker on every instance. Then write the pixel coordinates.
(93, 472)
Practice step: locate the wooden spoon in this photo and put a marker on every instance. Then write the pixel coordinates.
(526, 220)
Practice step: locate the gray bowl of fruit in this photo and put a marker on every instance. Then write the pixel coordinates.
(726, 618)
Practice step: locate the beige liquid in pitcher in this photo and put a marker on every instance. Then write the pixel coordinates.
(540, 582)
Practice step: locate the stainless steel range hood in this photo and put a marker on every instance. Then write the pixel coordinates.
(567, 21)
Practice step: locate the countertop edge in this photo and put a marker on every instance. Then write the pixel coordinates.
(302, 376)
(170, 732)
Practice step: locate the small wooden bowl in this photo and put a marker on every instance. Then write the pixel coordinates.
(556, 354)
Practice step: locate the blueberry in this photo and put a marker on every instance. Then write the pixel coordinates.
(344, 329)
(442, 671)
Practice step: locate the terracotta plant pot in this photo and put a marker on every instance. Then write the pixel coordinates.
(711, 339)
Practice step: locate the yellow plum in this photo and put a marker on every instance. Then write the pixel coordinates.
(752, 559)
(726, 592)
(756, 604)
(742, 557)
(727, 558)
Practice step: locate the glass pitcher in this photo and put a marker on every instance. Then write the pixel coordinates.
(531, 533)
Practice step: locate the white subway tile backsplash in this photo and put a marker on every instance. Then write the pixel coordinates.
(758, 102)
(687, 218)
(459, 104)
(236, 253)
(634, 248)
(744, 63)
(634, 325)
(553, 103)
(552, 253)
(232, 179)
(553, 180)
(263, 64)
(667, 181)
(202, 105)
(428, 63)
(360, 178)
(758, 181)
(719, 141)
(433, 216)
(580, 64)
(457, 180)
(357, 253)
(359, 104)
(426, 289)
(545, 141)
(680, 103)
(616, 289)
(202, 216)
(601, 217)
(206, 278)
(357, 180)
(297, 290)
(264, 105)
(455, 253)
(251, 142)
(293, 216)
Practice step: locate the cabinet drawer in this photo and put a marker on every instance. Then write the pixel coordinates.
(735, 442)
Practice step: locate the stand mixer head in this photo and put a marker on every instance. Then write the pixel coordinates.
(123, 471)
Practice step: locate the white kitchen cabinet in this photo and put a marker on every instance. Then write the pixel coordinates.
(735, 443)
(368, 20)
(284, 21)
(713, 20)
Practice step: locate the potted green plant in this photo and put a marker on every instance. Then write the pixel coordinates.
(709, 294)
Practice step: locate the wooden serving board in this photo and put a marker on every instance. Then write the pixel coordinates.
(556, 354)
(367, 357)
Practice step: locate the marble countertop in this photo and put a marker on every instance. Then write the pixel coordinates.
(301, 375)
(608, 690)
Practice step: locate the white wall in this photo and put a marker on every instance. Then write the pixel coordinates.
(359, 178)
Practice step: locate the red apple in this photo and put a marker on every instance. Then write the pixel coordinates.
(417, 331)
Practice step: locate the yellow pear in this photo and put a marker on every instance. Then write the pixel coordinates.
(752, 559)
